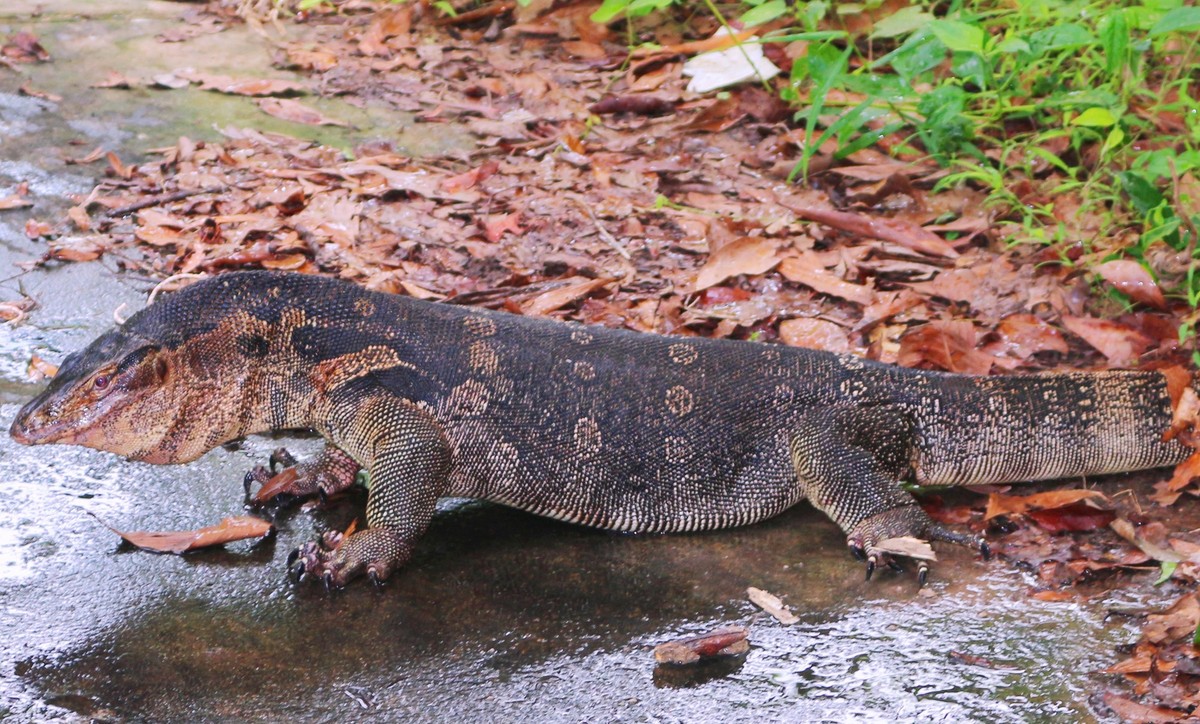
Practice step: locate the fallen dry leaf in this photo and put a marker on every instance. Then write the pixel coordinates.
(24, 47)
(243, 86)
(1126, 530)
(1131, 278)
(747, 255)
(806, 270)
(728, 641)
(1177, 622)
(814, 334)
(1132, 711)
(641, 104)
(1119, 343)
(494, 227)
(228, 530)
(999, 504)
(946, 345)
(1185, 473)
(15, 312)
(1185, 412)
(772, 605)
(1024, 335)
(897, 231)
(14, 202)
(559, 297)
(296, 112)
(1073, 517)
(467, 180)
(907, 546)
(39, 369)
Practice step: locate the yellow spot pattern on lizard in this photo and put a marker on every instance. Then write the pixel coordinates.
(481, 326)
(483, 358)
(683, 354)
(469, 399)
(588, 439)
(680, 401)
(585, 371)
(333, 373)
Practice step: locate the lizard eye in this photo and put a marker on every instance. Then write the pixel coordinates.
(101, 382)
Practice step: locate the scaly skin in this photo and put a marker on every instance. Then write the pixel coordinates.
(608, 428)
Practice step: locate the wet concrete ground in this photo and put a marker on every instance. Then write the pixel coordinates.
(501, 616)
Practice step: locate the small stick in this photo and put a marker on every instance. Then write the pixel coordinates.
(604, 234)
(155, 201)
(487, 11)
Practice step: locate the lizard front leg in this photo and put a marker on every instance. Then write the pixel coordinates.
(850, 461)
(330, 472)
(407, 460)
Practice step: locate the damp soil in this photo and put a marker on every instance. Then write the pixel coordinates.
(500, 616)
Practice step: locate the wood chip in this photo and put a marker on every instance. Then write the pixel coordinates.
(728, 641)
(772, 605)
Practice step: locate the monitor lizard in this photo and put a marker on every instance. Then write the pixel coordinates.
(611, 428)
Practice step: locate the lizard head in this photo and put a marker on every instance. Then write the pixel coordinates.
(113, 395)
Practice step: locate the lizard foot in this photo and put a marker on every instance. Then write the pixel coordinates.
(329, 473)
(336, 559)
(906, 522)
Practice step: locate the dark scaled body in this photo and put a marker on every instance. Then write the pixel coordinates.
(608, 428)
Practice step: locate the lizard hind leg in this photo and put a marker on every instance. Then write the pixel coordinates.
(849, 461)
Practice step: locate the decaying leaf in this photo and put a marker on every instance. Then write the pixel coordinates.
(14, 202)
(728, 641)
(1126, 530)
(1120, 343)
(1185, 473)
(897, 231)
(559, 297)
(721, 68)
(24, 47)
(39, 369)
(242, 86)
(1132, 711)
(948, 345)
(494, 227)
(296, 112)
(1177, 622)
(1012, 504)
(908, 547)
(807, 270)
(747, 255)
(228, 530)
(1184, 414)
(1073, 517)
(14, 312)
(1132, 278)
(1024, 335)
(814, 334)
(772, 605)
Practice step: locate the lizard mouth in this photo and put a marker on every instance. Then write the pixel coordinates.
(32, 434)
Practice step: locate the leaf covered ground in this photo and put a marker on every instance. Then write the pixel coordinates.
(600, 189)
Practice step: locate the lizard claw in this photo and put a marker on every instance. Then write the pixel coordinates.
(375, 552)
(282, 458)
(905, 522)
